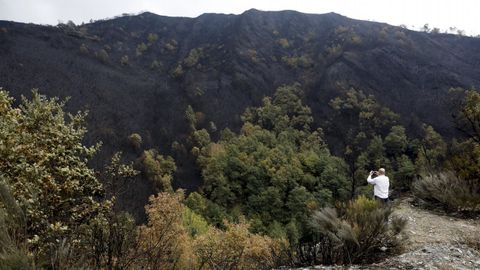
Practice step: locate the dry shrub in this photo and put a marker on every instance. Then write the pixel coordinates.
(163, 242)
(357, 235)
(237, 248)
(449, 191)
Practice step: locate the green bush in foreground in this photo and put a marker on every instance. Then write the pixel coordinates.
(361, 231)
(448, 190)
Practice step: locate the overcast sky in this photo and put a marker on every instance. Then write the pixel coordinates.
(413, 13)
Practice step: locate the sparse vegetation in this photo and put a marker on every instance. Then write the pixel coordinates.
(284, 43)
(152, 38)
(333, 52)
(193, 57)
(298, 61)
(141, 48)
(124, 60)
(155, 64)
(102, 55)
(177, 72)
(171, 45)
(84, 48)
(252, 55)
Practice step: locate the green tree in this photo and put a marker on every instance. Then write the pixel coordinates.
(277, 168)
(363, 122)
(396, 141)
(44, 162)
(158, 169)
(432, 151)
(468, 118)
(190, 117)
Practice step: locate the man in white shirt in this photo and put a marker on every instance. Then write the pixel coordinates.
(381, 184)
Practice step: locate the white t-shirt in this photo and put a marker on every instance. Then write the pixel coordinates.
(381, 184)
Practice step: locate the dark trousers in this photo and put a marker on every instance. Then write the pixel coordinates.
(381, 200)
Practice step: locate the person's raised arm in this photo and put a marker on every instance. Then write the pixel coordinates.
(370, 179)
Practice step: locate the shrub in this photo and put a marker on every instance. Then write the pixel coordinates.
(13, 251)
(152, 38)
(284, 43)
(356, 40)
(298, 61)
(194, 223)
(163, 241)
(334, 51)
(172, 45)
(124, 60)
(177, 72)
(84, 48)
(135, 140)
(355, 233)
(252, 55)
(237, 248)
(447, 190)
(141, 48)
(155, 64)
(102, 55)
(193, 57)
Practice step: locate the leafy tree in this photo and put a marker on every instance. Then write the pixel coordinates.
(404, 173)
(158, 169)
(44, 162)
(163, 240)
(468, 118)
(363, 122)
(276, 169)
(396, 141)
(193, 57)
(135, 140)
(432, 151)
(190, 117)
(194, 223)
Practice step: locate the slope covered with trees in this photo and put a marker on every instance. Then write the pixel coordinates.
(138, 74)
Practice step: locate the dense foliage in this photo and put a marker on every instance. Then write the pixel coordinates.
(55, 213)
(277, 169)
(371, 138)
(273, 194)
(44, 163)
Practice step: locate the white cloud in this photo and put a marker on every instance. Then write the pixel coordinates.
(438, 13)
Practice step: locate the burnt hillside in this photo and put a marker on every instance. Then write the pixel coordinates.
(139, 73)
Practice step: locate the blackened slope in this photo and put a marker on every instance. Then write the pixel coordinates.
(240, 59)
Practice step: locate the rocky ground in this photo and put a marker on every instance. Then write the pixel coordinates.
(435, 241)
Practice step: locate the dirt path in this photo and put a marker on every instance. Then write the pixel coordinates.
(428, 228)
